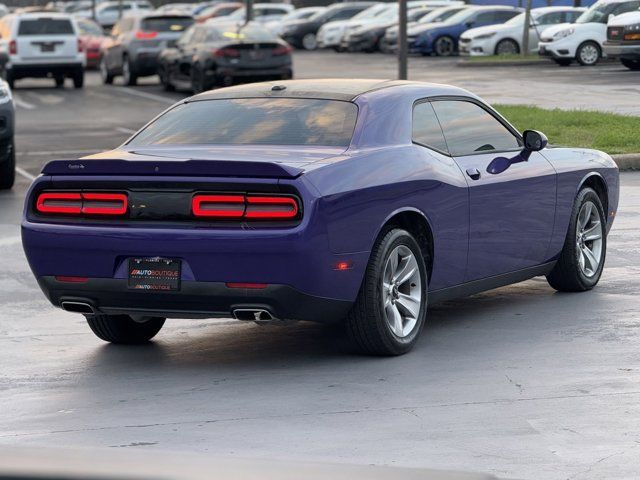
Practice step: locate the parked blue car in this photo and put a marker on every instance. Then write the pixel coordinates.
(441, 39)
(361, 201)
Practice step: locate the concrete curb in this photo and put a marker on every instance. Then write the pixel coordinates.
(514, 63)
(627, 161)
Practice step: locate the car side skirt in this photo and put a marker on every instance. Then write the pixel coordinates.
(484, 284)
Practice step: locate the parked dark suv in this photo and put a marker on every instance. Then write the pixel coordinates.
(136, 41)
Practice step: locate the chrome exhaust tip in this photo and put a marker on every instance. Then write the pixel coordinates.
(78, 307)
(258, 315)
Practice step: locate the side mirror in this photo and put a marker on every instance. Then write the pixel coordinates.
(470, 24)
(534, 141)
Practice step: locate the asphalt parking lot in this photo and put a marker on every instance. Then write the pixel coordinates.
(521, 382)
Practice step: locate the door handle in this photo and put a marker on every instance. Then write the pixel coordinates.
(474, 173)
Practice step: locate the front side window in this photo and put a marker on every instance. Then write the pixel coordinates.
(426, 128)
(253, 121)
(469, 129)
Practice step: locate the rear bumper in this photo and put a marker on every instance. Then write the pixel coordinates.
(43, 70)
(617, 50)
(194, 300)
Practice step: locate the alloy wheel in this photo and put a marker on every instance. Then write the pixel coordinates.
(309, 42)
(402, 293)
(589, 54)
(589, 239)
(445, 47)
(507, 47)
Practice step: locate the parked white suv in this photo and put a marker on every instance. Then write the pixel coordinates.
(506, 38)
(583, 40)
(623, 39)
(41, 45)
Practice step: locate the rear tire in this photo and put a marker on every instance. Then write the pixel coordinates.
(59, 81)
(309, 41)
(123, 329)
(630, 64)
(167, 86)
(507, 47)
(8, 167)
(586, 243)
(78, 78)
(105, 74)
(391, 307)
(129, 76)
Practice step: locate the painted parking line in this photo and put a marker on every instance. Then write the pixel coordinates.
(21, 103)
(125, 130)
(149, 96)
(22, 172)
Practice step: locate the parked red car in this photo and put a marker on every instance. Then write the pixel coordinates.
(91, 37)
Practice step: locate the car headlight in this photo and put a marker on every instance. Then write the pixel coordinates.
(484, 36)
(563, 33)
(5, 92)
(632, 32)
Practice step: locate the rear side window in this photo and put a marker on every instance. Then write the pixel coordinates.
(469, 128)
(253, 121)
(45, 26)
(426, 128)
(166, 24)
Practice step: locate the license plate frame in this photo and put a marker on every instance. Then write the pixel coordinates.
(154, 274)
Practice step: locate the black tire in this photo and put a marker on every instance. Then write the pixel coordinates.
(563, 62)
(507, 46)
(567, 275)
(167, 86)
(588, 60)
(444, 46)
(59, 81)
(105, 74)
(8, 167)
(123, 329)
(78, 78)
(630, 64)
(9, 78)
(198, 80)
(129, 76)
(366, 325)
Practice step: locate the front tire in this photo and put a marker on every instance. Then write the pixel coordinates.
(105, 74)
(129, 76)
(309, 41)
(581, 261)
(444, 46)
(124, 329)
(507, 47)
(391, 307)
(588, 53)
(78, 78)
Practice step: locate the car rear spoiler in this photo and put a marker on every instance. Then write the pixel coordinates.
(191, 168)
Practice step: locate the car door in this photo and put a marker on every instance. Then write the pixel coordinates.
(511, 214)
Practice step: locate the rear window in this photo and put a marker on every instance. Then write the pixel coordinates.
(166, 24)
(246, 33)
(253, 121)
(45, 26)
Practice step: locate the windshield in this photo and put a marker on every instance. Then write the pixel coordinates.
(299, 14)
(87, 27)
(46, 26)
(440, 15)
(370, 12)
(461, 16)
(166, 24)
(253, 121)
(598, 13)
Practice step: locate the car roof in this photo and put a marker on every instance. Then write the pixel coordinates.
(327, 89)
(43, 14)
(557, 8)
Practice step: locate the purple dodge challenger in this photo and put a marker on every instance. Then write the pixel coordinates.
(359, 201)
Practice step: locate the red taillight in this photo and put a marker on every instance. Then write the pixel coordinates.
(253, 286)
(271, 207)
(63, 278)
(69, 203)
(221, 206)
(140, 35)
(281, 50)
(104, 203)
(13, 47)
(80, 46)
(226, 53)
(256, 207)
(81, 203)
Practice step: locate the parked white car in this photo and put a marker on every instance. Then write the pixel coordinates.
(108, 13)
(41, 45)
(583, 41)
(506, 39)
(623, 39)
(275, 26)
(262, 13)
